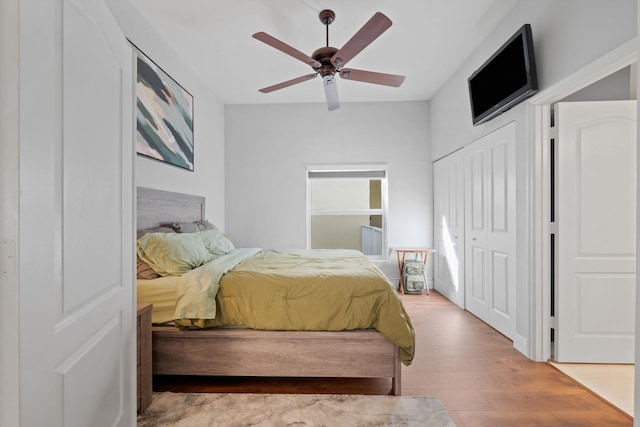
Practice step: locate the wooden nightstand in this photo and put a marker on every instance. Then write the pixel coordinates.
(144, 356)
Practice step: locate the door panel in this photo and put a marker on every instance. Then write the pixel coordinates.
(491, 233)
(449, 220)
(477, 277)
(501, 237)
(612, 304)
(476, 186)
(99, 405)
(596, 231)
(597, 154)
(91, 172)
(500, 280)
(77, 333)
(499, 186)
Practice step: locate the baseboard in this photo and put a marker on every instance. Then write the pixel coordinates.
(396, 283)
(521, 344)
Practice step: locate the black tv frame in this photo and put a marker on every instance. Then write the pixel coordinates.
(517, 95)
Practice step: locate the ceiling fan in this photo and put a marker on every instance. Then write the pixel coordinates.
(328, 61)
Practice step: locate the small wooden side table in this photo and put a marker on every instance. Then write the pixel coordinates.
(402, 253)
(144, 355)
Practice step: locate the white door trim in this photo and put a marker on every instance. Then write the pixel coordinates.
(9, 191)
(539, 298)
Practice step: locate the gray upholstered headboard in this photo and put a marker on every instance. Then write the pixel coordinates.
(158, 207)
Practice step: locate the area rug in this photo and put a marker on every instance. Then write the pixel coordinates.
(249, 410)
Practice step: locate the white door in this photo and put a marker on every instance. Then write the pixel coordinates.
(596, 231)
(476, 187)
(76, 309)
(490, 232)
(448, 181)
(501, 232)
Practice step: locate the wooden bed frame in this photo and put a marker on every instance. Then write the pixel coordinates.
(249, 352)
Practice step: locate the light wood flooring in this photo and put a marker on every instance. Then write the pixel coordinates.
(474, 370)
(613, 382)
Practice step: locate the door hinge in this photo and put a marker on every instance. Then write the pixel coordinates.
(553, 132)
(7, 257)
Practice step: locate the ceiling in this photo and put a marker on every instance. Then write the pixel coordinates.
(428, 41)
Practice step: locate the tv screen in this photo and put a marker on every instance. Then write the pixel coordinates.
(505, 79)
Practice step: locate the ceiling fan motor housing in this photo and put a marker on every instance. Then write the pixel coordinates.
(323, 56)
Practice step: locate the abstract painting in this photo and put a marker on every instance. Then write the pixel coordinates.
(164, 116)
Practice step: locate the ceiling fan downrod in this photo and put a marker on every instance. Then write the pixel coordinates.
(327, 17)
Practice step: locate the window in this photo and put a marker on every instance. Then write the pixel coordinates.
(347, 209)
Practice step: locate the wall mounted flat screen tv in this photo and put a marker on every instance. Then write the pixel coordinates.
(505, 79)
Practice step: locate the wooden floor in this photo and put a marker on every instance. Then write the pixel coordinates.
(474, 370)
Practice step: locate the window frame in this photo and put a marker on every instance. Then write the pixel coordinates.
(368, 172)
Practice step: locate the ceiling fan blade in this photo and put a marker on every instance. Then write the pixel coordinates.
(287, 83)
(370, 31)
(331, 92)
(283, 47)
(372, 77)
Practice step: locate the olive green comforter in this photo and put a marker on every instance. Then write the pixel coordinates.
(309, 290)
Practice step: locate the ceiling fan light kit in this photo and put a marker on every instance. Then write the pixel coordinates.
(329, 61)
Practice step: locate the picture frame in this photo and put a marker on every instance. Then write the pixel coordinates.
(164, 116)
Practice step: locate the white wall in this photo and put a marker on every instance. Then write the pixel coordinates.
(207, 179)
(268, 148)
(617, 86)
(567, 35)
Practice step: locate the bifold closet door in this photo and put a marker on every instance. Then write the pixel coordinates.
(490, 234)
(449, 225)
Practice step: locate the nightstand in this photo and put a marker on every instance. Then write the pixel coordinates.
(402, 253)
(144, 355)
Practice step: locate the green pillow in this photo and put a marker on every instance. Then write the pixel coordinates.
(172, 254)
(216, 242)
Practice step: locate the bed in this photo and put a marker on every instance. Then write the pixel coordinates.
(236, 351)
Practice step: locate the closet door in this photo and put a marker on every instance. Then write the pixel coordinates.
(449, 225)
(501, 232)
(476, 187)
(490, 235)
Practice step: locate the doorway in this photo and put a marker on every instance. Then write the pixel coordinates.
(591, 83)
(582, 83)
